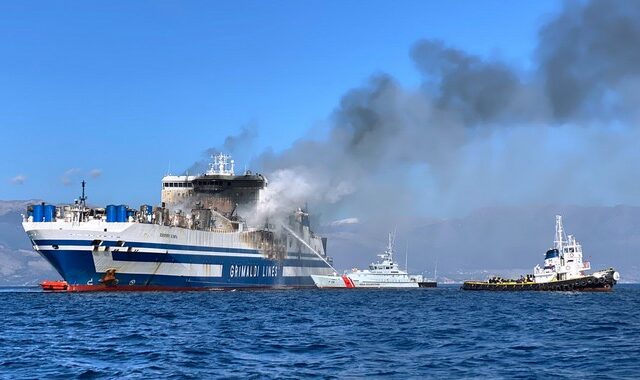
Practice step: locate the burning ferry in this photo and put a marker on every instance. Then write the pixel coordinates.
(564, 270)
(198, 238)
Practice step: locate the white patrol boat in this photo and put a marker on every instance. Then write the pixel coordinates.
(384, 273)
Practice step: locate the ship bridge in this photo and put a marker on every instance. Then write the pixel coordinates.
(219, 188)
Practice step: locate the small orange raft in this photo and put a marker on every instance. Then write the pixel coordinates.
(54, 285)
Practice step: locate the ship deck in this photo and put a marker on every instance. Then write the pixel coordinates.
(588, 283)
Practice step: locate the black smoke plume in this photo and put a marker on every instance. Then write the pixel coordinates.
(479, 132)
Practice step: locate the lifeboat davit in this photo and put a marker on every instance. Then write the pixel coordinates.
(54, 285)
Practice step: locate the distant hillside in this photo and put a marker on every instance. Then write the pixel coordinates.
(19, 264)
(501, 240)
(495, 240)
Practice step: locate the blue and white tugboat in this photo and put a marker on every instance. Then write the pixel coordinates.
(564, 270)
(198, 238)
(384, 273)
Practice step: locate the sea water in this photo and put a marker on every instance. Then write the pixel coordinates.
(420, 333)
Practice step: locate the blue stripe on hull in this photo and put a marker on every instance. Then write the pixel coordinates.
(107, 243)
(77, 267)
(205, 259)
(138, 245)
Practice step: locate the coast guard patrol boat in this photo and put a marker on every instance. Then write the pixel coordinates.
(384, 273)
(196, 239)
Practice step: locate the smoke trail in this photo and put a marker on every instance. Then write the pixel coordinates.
(233, 144)
(589, 60)
(477, 131)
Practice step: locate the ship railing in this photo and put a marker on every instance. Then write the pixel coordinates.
(223, 230)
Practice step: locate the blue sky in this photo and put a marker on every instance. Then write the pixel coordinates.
(129, 89)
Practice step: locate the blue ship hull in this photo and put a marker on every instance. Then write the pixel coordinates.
(78, 268)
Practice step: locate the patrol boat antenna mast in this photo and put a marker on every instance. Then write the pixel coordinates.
(406, 258)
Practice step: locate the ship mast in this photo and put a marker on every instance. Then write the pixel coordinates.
(406, 258)
(435, 271)
(221, 164)
(560, 238)
(83, 198)
(389, 250)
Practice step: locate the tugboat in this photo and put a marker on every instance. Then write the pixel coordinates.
(563, 270)
(384, 273)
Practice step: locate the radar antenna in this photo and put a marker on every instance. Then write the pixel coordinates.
(388, 252)
(83, 198)
(221, 164)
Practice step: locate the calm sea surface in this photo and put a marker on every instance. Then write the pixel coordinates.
(439, 333)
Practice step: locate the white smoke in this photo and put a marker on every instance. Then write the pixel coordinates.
(295, 187)
(477, 131)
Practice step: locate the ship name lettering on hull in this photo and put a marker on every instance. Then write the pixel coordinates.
(236, 271)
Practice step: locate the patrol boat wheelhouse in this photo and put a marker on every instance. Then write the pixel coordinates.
(564, 269)
(384, 273)
(197, 238)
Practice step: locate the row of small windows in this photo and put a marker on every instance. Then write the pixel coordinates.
(215, 183)
(177, 184)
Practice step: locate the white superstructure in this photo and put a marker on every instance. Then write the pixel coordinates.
(221, 164)
(384, 273)
(564, 261)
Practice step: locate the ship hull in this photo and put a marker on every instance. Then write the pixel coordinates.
(131, 260)
(602, 283)
(347, 282)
